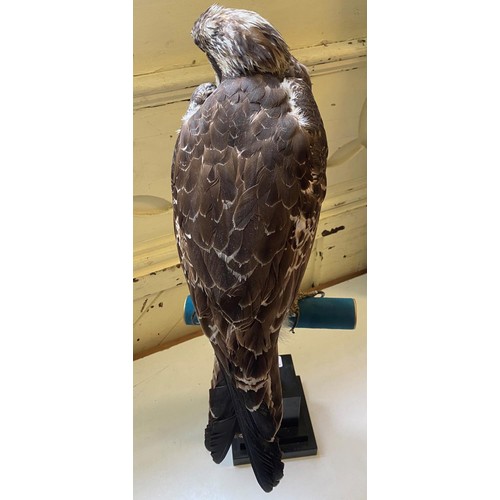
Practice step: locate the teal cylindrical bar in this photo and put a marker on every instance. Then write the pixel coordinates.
(314, 312)
(327, 312)
(190, 317)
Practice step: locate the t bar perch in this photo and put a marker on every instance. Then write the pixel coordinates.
(314, 312)
(296, 434)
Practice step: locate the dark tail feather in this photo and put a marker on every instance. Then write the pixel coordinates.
(265, 455)
(222, 423)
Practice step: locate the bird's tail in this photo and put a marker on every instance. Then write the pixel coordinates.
(228, 415)
(258, 429)
(222, 422)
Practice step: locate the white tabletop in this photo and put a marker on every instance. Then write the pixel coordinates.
(171, 406)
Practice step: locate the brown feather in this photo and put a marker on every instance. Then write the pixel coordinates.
(248, 179)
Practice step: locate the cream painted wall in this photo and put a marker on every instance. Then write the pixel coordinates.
(165, 78)
(162, 28)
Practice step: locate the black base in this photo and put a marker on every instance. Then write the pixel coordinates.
(296, 435)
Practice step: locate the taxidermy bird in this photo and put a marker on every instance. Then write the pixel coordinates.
(248, 180)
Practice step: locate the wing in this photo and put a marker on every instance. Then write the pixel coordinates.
(248, 182)
(248, 179)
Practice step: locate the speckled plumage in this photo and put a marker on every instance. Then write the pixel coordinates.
(248, 180)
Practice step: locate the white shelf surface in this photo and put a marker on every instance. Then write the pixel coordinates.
(171, 407)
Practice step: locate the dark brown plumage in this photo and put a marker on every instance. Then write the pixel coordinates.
(248, 179)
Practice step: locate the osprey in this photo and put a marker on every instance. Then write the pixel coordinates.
(248, 180)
